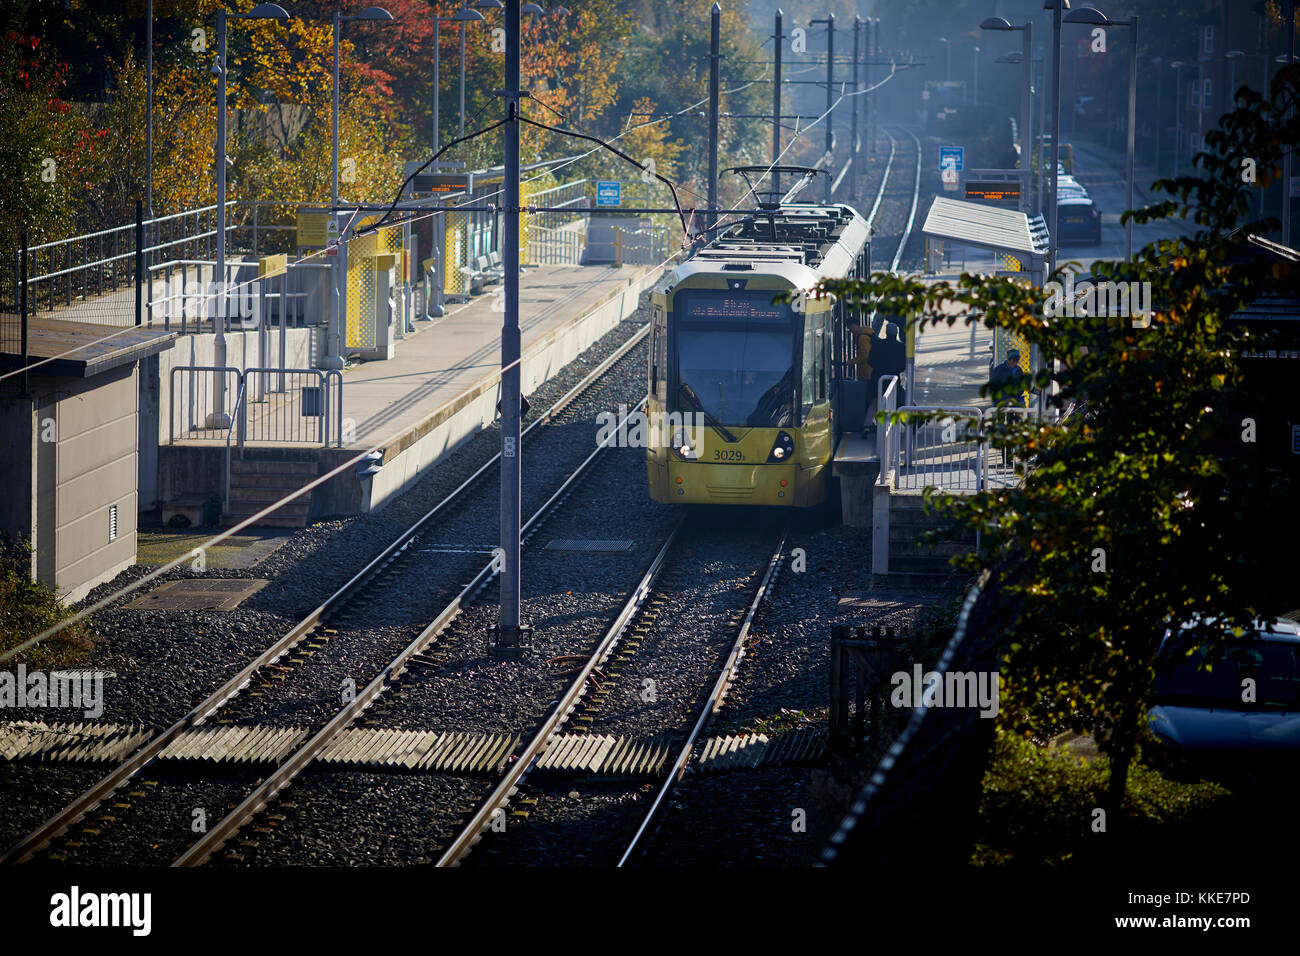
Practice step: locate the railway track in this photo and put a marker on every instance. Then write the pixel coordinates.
(646, 618)
(355, 592)
(361, 589)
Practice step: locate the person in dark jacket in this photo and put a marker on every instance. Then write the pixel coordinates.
(888, 357)
(1004, 376)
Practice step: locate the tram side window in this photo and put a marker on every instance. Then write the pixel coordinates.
(814, 360)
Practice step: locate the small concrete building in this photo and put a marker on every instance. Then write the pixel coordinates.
(70, 430)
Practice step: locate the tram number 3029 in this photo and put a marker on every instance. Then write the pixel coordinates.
(727, 454)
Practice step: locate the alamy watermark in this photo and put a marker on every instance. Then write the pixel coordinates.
(1100, 299)
(624, 429)
(83, 690)
(953, 689)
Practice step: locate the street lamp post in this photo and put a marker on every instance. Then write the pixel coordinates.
(334, 341)
(1057, 7)
(1094, 17)
(1027, 82)
(478, 5)
(263, 11)
(947, 76)
(975, 92)
(462, 17)
(1232, 57)
(1178, 112)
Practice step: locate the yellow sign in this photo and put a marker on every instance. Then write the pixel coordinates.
(314, 228)
(272, 265)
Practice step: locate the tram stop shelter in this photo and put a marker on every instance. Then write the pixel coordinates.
(1017, 240)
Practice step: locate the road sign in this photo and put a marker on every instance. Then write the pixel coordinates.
(949, 176)
(608, 192)
(951, 156)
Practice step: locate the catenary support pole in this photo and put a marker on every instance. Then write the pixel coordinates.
(853, 132)
(777, 41)
(1052, 210)
(830, 100)
(715, 40)
(509, 626)
(1286, 156)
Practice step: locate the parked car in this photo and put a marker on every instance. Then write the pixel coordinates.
(1229, 708)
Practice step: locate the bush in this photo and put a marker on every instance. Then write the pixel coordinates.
(1037, 806)
(29, 607)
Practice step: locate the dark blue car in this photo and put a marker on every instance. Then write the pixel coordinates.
(1078, 218)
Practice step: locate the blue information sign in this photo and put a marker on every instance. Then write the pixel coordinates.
(951, 156)
(608, 192)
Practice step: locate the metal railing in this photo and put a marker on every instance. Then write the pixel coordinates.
(248, 303)
(946, 453)
(298, 413)
(236, 424)
(554, 246)
(200, 413)
(273, 405)
(81, 267)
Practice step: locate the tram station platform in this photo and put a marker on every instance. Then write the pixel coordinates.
(441, 386)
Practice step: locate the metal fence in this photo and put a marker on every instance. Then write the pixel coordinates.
(75, 278)
(554, 246)
(944, 452)
(202, 409)
(280, 406)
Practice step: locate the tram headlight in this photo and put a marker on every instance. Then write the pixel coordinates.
(782, 448)
(682, 447)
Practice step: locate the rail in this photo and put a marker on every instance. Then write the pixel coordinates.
(726, 674)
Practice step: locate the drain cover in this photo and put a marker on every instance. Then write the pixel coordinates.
(591, 545)
(200, 594)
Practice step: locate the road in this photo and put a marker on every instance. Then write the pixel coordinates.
(1101, 171)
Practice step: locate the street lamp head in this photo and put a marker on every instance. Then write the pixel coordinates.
(996, 23)
(1089, 15)
(466, 14)
(1052, 4)
(1177, 64)
(487, 4)
(371, 13)
(532, 9)
(264, 11)
(1233, 54)
(561, 11)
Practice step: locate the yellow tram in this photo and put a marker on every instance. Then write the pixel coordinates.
(743, 388)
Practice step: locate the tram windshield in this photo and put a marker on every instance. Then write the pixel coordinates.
(735, 357)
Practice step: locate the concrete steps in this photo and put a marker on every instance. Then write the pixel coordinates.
(258, 479)
(912, 565)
